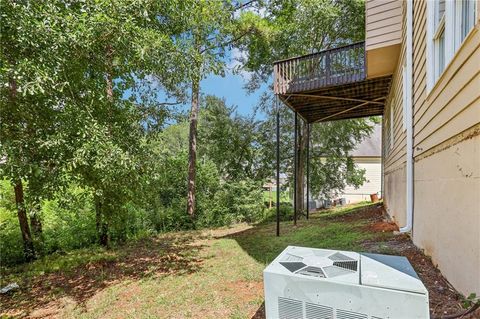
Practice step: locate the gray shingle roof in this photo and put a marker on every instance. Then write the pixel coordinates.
(370, 146)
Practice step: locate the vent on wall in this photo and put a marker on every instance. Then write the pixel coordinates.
(344, 314)
(289, 308)
(314, 311)
(293, 309)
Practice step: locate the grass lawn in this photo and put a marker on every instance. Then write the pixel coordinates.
(195, 274)
(284, 197)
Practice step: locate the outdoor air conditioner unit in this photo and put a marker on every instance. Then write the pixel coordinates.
(326, 284)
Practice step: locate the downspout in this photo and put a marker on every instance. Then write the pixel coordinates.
(409, 119)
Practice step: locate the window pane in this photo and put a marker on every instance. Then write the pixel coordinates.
(467, 16)
(439, 11)
(441, 53)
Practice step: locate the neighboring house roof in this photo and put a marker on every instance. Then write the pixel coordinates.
(273, 182)
(370, 146)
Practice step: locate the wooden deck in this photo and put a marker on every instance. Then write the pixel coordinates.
(330, 85)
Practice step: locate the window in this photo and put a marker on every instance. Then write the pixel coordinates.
(439, 37)
(464, 19)
(449, 23)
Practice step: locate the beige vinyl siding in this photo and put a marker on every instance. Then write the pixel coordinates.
(383, 23)
(453, 105)
(395, 155)
(372, 184)
(446, 151)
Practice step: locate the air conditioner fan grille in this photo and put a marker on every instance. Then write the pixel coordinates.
(312, 271)
(350, 264)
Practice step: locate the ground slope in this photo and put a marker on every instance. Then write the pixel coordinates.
(201, 274)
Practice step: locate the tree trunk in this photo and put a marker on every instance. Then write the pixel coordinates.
(300, 189)
(101, 223)
(192, 158)
(28, 248)
(37, 230)
(109, 73)
(100, 216)
(35, 221)
(36, 227)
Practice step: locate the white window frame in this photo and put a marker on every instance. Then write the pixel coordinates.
(451, 27)
(472, 10)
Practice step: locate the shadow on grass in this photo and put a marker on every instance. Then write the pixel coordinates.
(152, 257)
(340, 229)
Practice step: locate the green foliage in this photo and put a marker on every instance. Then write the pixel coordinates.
(286, 213)
(291, 28)
(11, 248)
(232, 141)
(68, 223)
(332, 168)
(222, 199)
(470, 301)
(267, 196)
(100, 155)
(235, 202)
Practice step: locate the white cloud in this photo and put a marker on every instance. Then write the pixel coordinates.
(235, 65)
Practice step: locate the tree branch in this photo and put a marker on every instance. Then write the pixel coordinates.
(243, 5)
(231, 41)
(169, 103)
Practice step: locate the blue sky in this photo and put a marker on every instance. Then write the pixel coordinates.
(230, 87)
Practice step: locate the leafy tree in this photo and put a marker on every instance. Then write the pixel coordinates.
(230, 140)
(128, 43)
(66, 69)
(206, 32)
(34, 50)
(211, 30)
(282, 29)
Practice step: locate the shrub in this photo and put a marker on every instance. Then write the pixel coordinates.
(286, 213)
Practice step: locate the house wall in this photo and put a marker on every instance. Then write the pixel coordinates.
(394, 143)
(447, 211)
(383, 23)
(373, 183)
(447, 159)
(446, 133)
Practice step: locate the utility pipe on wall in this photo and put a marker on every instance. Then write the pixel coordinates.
(409, 119)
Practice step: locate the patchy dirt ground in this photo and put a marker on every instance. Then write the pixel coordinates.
(211, 273)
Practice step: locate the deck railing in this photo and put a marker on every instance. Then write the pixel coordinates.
(330, 67)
